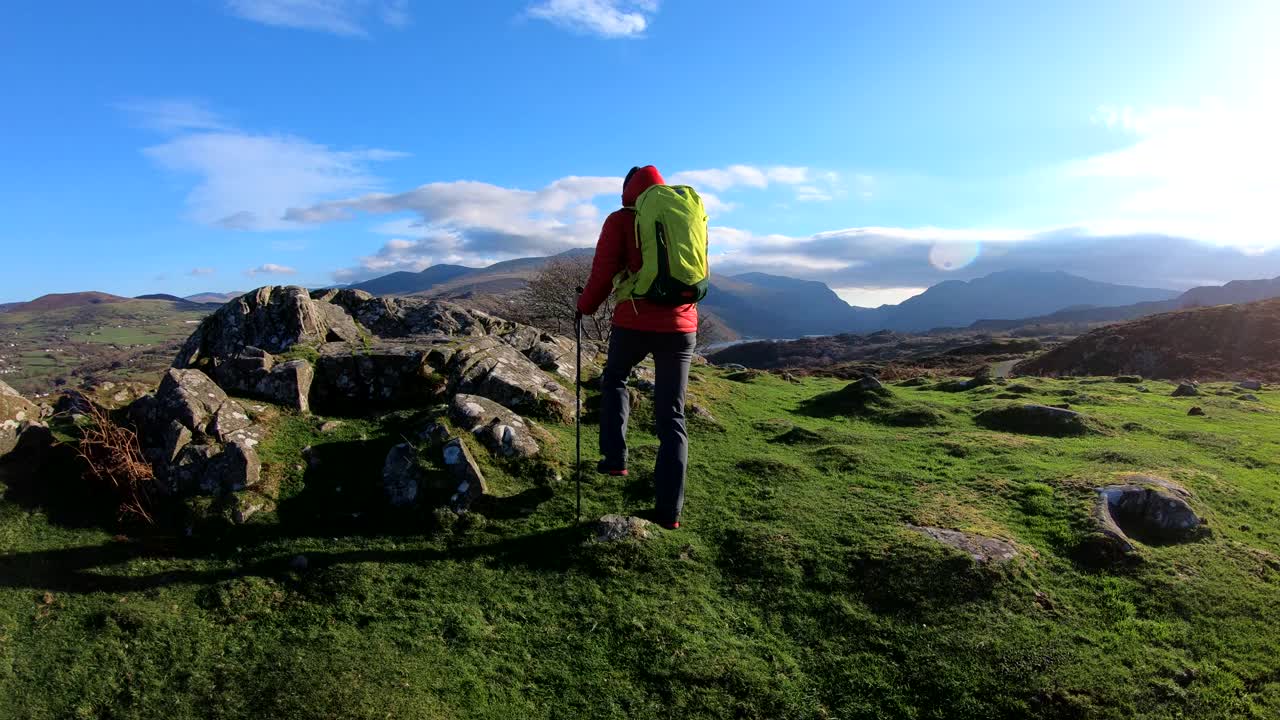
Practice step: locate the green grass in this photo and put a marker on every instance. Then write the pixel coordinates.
(794, 589)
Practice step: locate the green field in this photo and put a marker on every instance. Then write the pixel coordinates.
(133, 340)
(794, 589)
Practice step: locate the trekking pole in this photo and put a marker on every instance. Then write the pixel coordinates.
(577, 409)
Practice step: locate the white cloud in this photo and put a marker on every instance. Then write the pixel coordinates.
(201, 272)
(472, 222)
(245, 180)
(607, 18)
(339, 17)
(270, 269)
(1203, 171)
(173, 115)
(810, 185)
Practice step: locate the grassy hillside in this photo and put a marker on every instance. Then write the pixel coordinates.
(795, 589)
(126, 340)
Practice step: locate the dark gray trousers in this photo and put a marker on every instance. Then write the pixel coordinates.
(672, 354)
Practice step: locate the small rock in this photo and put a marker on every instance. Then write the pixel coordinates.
(1249, 397)
(330, 426)
(613, 528)
(470, 483)
(1249, 385)
(1196, 411)
(982, 549)
(1186, 389)
(733, 367)
(401, 475)
(1142, 388)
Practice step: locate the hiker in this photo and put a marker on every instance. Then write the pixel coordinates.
(656, 314)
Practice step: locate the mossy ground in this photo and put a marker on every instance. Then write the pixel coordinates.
(793, 590)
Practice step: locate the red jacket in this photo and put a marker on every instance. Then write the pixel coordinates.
(616, 250)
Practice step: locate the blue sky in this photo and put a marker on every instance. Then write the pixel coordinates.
(879, 147)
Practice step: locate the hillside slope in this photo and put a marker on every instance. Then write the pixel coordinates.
(1221, 342)
(796, 588)
(60, 301)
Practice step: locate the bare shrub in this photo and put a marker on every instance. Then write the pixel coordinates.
(549, 301)
(712, 330)
(113, 459)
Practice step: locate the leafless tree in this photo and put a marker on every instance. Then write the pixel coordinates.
(549, 301)
(712, 330)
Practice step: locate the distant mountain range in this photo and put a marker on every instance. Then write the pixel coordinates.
(762, 305)
(1233, 293)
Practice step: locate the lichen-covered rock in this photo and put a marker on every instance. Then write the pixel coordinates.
(214, 469)
(488, 367)
(271, 318)
(402, 475)
(189, 397)
(15, 410)
(1035, 420)
(255, 372)
(384, 375)
(503, 432)
(984, 550)
(469, 483)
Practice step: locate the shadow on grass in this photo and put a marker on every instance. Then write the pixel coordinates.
(84, 569)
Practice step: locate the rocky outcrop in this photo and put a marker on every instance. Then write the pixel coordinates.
(271, 318)
(256, 372)
(503, 432)
(16, 412)
(1036, 420)
(495, 370)
(383, 374)
(198, 440)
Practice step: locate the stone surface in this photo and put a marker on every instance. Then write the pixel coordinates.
(273, 319)
(402, 475)
(503, 432)
(1146, 508)
(1186, 389)
(615, 528)
(468, 481)
(384, 375)
(1254, 385)
(15, 410)
(488, 367)
(982, 549)
(1035, 420)
(1196, 411)
(1249, 397)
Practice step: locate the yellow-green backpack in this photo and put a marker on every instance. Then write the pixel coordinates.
(671, 232)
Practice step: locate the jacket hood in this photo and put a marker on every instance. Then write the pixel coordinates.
(643, 179)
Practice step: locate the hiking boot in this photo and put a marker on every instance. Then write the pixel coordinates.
(670, 526)
(606, 469)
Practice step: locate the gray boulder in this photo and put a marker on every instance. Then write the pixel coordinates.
(402, 475)
(984, 550)
(1148, 508)
(1249, 397)
(214, 469)
(1035, 420)
(469, 483)
(271, 318)
(15, 412)
(257, 373)
(503, 432)
(1186, 389)
(488, 367)
(1196, 411)
(384, 375)
(1254, 385)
